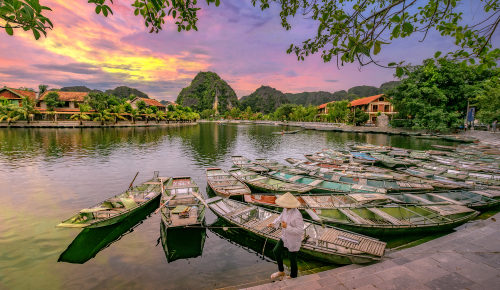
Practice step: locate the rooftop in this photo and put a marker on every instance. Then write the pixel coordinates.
(365, 101)
(68, 96)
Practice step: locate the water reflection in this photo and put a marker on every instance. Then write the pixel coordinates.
(182, 243)
(91, 241)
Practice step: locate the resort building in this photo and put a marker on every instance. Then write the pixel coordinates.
(149, 103)
(71, 106)
(15, 95)
(373, 106)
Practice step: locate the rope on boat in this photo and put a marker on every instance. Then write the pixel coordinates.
(264, 248)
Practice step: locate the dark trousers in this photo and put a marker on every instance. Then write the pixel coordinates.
(292, 256)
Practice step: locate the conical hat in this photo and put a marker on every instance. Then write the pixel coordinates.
(287, 200)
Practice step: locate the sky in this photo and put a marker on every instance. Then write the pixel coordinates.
(242, 44)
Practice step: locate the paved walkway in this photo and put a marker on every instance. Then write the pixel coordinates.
(466, 259)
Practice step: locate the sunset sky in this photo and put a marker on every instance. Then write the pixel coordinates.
(239, 42)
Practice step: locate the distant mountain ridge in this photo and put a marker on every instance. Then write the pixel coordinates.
(265, 99)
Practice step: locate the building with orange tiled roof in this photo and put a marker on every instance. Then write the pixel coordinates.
(373, 105)
(71, 106)
(149, 103)
(15, 95)
(323, 109)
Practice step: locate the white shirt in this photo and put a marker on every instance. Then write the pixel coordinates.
(292, 234)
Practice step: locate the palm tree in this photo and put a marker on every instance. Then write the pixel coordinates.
(28, 108)
(102, 116)
(82, 115)
(149, 114)
(160, 115)
(135, 115)
(8, 111)
(117, 112)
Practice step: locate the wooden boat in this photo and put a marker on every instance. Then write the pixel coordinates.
(443, 147)
(321, 242)
(434, 183)
(436, 152)
(429, 136)
(179, 207)
(389, 161)
(324, 159)
(353, 174)
(363, 157)
(274, 165)
(419, 155)
(399, 152)
(182, 243)
(90, 241)
(334, 153)
(460, 139)
(384, 220)
(119, 207)
(425, 175)
(386, 185)
(472, 199)
(225, 184)
(321, 185)
(268, 184)
(243, 162)
(323, 167)
(371, 148)
(287, 132)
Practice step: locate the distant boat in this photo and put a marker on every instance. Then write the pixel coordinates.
(274, 165)
(322, 242)
(119, 207)
(287, 132)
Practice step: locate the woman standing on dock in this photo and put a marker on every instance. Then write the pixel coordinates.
(293, 227)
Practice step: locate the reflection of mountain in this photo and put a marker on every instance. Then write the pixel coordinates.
(209, 143)
(91, 241)
(182, 243)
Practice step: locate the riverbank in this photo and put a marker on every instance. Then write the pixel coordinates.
(89, 124)
(466, 259)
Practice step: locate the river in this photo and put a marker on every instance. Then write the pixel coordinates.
(47, 175)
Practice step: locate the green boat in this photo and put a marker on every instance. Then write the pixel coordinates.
(417, 154)
(324, 186)
(91, 241)
(323, 167)
(179, 207)
(225, 184)
(182, 243)
(243, 162)
(274, 165)
(434, 183)
(321, 158)
(477, 200)
(386, 185)
(426, 175)
(385, 220)
(268, 184)
(119, 207)
(389, 161)
(321, 242)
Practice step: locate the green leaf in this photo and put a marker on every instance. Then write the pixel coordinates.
(396, 19)
(36, 34)
(392, 64)
(437, 54)
(217, 3)
(399, 71)
(174, 13)
(136, 12)
(376, 48)
(9, 29)
(105, 12)
(98, 9)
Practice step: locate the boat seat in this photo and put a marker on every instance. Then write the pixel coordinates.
(335, 177)
(352, 241)
(420, 199)
(257, 179)
(295, 178)
(388, 217)
(354, 217)
(316, 182)
(263, 223)
(238, 211)
(447, 199)
(182, 186)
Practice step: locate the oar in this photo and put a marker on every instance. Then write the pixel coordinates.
(198, 196)
(133, 180)
(164, 204)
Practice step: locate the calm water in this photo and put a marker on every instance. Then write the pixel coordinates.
(46, 175)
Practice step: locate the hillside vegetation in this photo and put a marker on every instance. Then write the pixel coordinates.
(208, 91)
(265, 99)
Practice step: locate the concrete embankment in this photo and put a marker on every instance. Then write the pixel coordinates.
(466, 259)
(90, 124)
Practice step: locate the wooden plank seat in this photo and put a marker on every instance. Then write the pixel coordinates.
(352, 241)
(354, 217)
(316, 182)
(217, 174)
(449, 209)
(295, 178)
(335, 177)
(236, 191)
(238, 211)
(447, 199)
(310, 201)
(257, 179)
(140, 200)
(263, 223)
(422, 200)
(247, 174)
(182, 186)
(388, 217)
